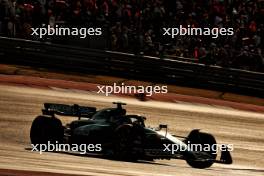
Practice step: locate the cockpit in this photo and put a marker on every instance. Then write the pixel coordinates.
(107, 114)
(118, 116)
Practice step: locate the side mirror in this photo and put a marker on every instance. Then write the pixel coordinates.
(163, 126)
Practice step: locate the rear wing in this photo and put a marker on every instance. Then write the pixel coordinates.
(68, 110)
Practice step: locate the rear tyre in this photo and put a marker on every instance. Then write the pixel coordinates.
(196, 137)
(46, 129)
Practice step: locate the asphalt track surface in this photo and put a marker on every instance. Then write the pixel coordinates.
(19, 105)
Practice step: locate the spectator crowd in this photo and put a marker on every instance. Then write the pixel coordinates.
(135, 26)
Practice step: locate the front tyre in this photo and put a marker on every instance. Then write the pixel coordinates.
(205, 139)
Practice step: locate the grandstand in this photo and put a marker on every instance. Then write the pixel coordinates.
(135, 26)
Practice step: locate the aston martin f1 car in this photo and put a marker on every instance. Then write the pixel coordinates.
(123, 136)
